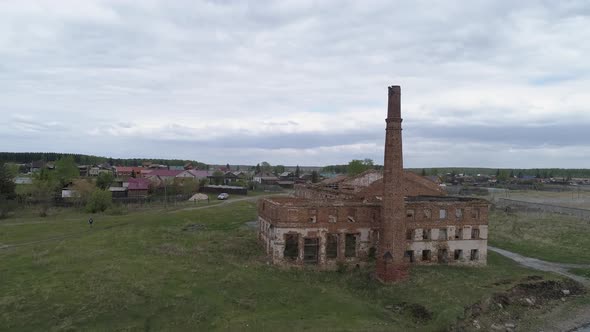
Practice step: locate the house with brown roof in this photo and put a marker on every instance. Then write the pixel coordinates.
(137, 187)
(125, 171)
(265, 178)
(161, 176)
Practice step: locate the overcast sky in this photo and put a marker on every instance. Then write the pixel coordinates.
(484, 83)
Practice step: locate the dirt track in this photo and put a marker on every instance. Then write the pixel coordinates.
(537, 264)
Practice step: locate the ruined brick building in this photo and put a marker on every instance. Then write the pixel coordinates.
(395, 217)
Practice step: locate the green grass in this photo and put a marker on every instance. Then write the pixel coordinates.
(584, 272)
(550, 237)
(574, 198)
(142, 271)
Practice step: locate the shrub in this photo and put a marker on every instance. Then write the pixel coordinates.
(6, 206)
(99, 201)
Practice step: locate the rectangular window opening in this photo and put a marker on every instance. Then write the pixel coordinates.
(458, 254)
(425, 234)
(310, 250)
(459, 214)
(475, 233)
(426, 255)
(291, 246)
(442, 234)
(443, 214)
(410, 234)
(474, 255)
(332, 246)
(443, 255)
(410, 214)
(350, 245)
(409, 256)
(427, 213)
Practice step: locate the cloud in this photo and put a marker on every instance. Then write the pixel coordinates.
(297, 81)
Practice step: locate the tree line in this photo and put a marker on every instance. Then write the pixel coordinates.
(83, 159)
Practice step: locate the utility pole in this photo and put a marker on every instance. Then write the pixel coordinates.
(165, 194)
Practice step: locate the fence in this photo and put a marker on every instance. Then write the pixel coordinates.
(151, 199)
(505, 203)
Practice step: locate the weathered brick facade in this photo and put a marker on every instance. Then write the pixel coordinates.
(396, 218)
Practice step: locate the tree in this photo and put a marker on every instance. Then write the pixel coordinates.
(358, 166)
(297, 172)
(66, 170)
(278, 169)
(315, 177)
(257, 170)
(227, 167)
(185, 186)
(104, 180)
(218, 177)
(423, 172)
(99, 201)
(502, 176)
(7, 206)
(44, 190)
(7, 185)
(12, 169)
(265, 167)
(133, 175)
(84, 189)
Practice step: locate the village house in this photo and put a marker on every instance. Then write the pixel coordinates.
(395, 217)
(195, 174)
(265, 178)
(162, 176)
(126, 171)
(137, 187)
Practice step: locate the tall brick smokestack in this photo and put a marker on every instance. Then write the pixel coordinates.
(390, 256)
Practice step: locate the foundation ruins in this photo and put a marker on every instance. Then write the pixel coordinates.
(394, 217)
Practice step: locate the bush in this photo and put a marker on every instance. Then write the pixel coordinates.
(99, 201)
(6, 206)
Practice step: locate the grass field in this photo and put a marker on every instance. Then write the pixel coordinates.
(584, 272)
(550, 237)
(575, 199)
(203, 270)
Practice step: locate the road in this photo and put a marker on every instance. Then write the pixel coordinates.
(537, 264)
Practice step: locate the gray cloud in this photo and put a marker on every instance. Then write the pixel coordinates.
(297, 81)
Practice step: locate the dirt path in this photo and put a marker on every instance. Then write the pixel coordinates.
(537, 264)
(581, 319)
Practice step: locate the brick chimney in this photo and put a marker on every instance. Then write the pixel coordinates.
(390, 265)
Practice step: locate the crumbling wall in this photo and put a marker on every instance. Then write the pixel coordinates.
(367, 184)
(281, 219)
(318, 219)
(462, 228)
